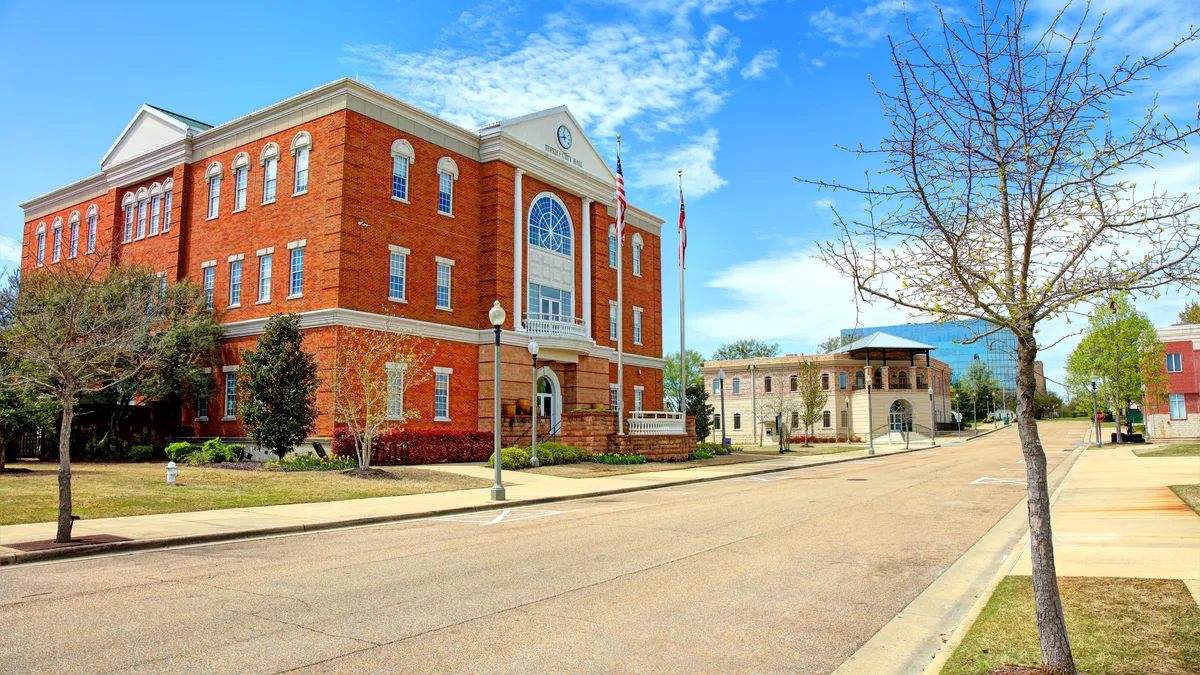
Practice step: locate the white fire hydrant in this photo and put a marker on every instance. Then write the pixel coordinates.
(172, 472)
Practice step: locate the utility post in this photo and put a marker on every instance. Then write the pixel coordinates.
(1096, 416)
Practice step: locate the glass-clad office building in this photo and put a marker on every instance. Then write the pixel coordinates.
(998, 350)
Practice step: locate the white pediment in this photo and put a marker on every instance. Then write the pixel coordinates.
(540, 131)
(149, 130)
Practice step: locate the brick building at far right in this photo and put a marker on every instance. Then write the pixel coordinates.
(1177, 415)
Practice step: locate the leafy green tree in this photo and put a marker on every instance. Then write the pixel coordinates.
(838, 341)
(1191, 313)
(980, 386)
(671, 378)
(745, 349)
(279, 383)
(698, 407)
(1046, 405)
(1120, 352)
(812, 398)
(22, 410)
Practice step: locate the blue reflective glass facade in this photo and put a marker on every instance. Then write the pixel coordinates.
(998, 350)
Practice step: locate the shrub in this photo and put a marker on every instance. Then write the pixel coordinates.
(312, 463)
(717, 449)
(561, 453)
(410, 446)
(235, 452)
(141, 453)
(512, 459)
(701, 454)
(105, 450)
(619, 458)
(176, 452)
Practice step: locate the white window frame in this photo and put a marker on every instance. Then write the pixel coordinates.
(737, 385)
(230, 387)
(235, 280)
(394, 403)
(269, 159)
(441, 383)
(296, 290)
(398, 261)
(612, 247)
(614, 397)
(737, 421)
(73, 223)
(168, 184)
(637, 254)
(1181, 400)
(41, 244)
(447, 265)
(155, 213)
(266, 260)
(93, 216)
(56, 246)
(447, 175)
(612, 319)
(208, 274)
(402, 150)
(241, 181)
(716, 420)
(1177, 360)
(214, 190)
(301, 155)
(637, 325)
(638, 394)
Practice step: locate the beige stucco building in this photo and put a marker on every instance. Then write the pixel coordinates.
(879, 387)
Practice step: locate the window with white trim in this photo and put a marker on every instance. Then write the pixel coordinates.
(162, 287)
(845, 417)
(214, 189)
(231, 395)
(1174, 363)
(614, 397)
(241, 178)
(402, 158)
(209, 274)
(395, 391)
(826, 419)
(92, 221)
(167, 210)
(443, 286)
(264, 277)
(129, 204)
(155, 213)
(447, 174)
(441, 395)
(41, 244)
(637, 325)
(716, 420)
(397, 272)
(737, 385)
(637, 398)
(296, 285)
(74, 245)
(1178, 406)
(795, 419)
(57, 240)
(794, 383)
(301, 145)
(550, 226)
(142, 211)
(612, 320)
(202, 406)
(737, 420)
(716, 386)
(612, 248)
(235, 283)
(637, 255)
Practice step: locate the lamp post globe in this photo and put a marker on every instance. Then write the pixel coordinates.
(496, 317)
(533, 460)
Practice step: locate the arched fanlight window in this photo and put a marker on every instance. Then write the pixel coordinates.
(549, 225)
(41, 244)
(269, 158)
(301, 146)
(93, 219)
(213, 174)
(241, 181)
(73, 240)
(56, 230)
(447, 174)
(637, 254)
(403, 157)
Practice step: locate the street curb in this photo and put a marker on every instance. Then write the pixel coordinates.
(50, 555)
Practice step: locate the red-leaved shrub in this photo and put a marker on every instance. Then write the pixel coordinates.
(413, 446)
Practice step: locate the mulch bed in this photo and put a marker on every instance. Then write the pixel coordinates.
(371, 474)
(236, 466)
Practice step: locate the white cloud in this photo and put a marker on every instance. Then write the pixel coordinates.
(862, 27)
(824, 204)
(10, 250)
(612, 76)
(766, 60)
(698, 160)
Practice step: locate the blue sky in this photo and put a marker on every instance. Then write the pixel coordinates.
(741, 94)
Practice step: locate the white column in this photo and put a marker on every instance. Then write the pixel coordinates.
(518, 247)
(587, 266)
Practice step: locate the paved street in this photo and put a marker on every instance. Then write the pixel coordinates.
(782, 572)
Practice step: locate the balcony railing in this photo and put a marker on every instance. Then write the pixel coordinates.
(656, 423)
(555, 325)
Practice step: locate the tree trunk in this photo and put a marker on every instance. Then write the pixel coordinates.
(1052, 628)
(64, 471)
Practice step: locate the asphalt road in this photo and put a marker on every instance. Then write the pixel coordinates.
(788, 572)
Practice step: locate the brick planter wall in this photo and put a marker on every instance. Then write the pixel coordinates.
(514, 430)
(588, 430)
(655, 448)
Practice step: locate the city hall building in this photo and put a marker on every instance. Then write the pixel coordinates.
(1177, 414)
(351, 208)
(880, 387)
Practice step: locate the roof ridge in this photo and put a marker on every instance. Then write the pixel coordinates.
(190, 121)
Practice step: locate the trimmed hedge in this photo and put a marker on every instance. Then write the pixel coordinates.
(412, 446)
(717, 448)
(549, 454)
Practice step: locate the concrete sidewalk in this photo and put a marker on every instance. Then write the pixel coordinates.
(178, 529)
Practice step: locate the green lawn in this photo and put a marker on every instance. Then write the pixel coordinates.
(106, 490)
(1116, 626)
(1168, 450)
(1190, 494)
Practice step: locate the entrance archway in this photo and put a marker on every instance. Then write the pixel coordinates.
(549, 398)
(900, 417)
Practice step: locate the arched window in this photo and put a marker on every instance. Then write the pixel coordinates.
(73, 246)
(301, 145)
(143, 206)
(93, 216)
(41, 244)
(57, 229)
(612, 246)
(859, 380)
(737, 385)
(168, 184)
(214, 189)
(269, 158)
(129, 203)
(549, 225)
(447, 174)
(155, 207)
(241, 180)
(403, 157)
(637, 254)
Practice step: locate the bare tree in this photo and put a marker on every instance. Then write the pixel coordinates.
(81, 328)
(1010, 200)
(813, 397)
(779, 405)
(371, 374)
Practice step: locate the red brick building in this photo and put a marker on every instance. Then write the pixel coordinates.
(354, 209)
(1178, 414)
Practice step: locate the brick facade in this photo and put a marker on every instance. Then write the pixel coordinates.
(346, 221)
(1180, 345)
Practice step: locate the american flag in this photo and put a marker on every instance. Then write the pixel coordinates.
(682, 227)
(620, 197)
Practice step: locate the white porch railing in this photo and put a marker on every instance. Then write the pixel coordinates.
(555, 325)
(656, 423)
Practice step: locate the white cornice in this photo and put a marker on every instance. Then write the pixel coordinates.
(1180, 333)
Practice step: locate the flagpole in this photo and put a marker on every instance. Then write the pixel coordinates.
(620, 309)
(682, 343)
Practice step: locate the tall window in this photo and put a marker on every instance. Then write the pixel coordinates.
(397, 269)
(399, 177)
(155, 213)
(717, 421)
(637, 399)
(826, 419)
(825, 382)
(716, 386)
(549, 226)
(301, 170)
(269, 158)
(167, 212)
(737, 420)
(637, 326)
(445, 193)
(41, 244)
(637, 256)
(264, 277)
(614, 397)
(1174, 363)
(296, 286)
(845, 415)
(74, 250)
(127, 235)
(141, 217)
(91, 233)
(230, 395)
(443, 286)
(395, 391)
(57, 242)
(549, 303)
(795, 419)
(767, 384)
(612, 250)
(794, 382)
(235, 283)
(202, 406)
(214, 196)
(612, 321)
(209, 274)
(441, 396)
(1178, 407)
(841, 380)
(241, 177)
(737, 385)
